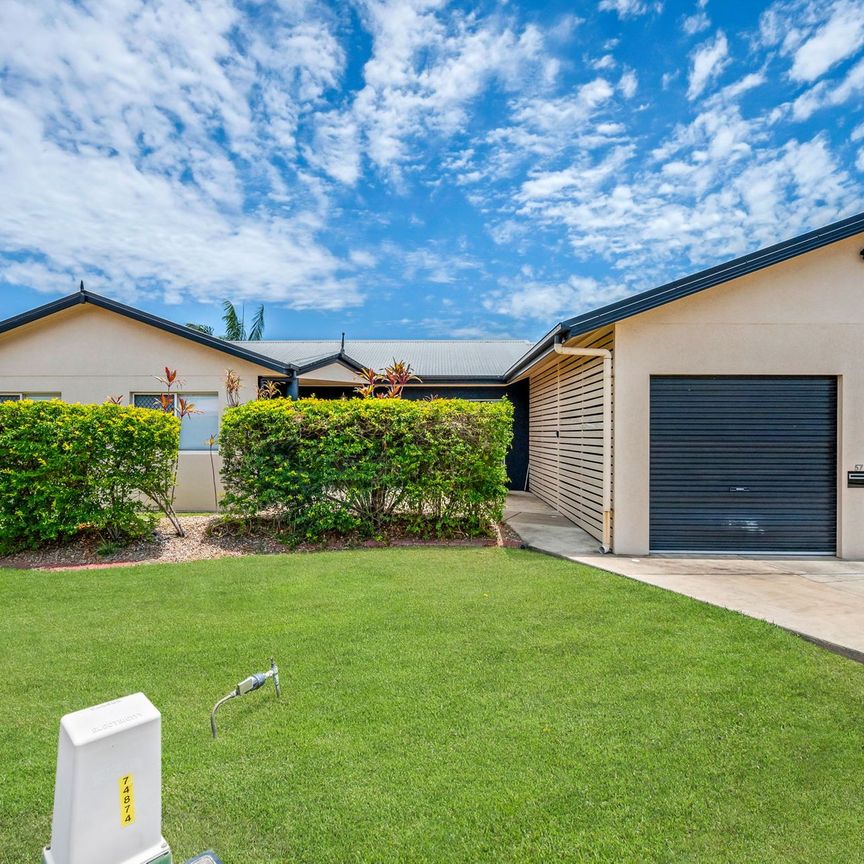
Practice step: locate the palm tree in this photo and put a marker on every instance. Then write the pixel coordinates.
(235, 325)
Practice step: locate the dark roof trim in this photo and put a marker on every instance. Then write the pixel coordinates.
(351, 363)
(533, 353)
(461, 380)
(717, 275)
(700, 281)
(338, 357)
(145, 318)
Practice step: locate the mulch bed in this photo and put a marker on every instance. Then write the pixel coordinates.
(200, 543)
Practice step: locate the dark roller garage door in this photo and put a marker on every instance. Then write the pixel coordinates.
(743, 464)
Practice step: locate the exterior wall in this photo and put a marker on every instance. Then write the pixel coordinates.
(331, 374)
(87, 353)
(802, 317)
(566, 433)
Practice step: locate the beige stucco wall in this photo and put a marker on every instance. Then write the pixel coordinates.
(802, 317)
(331, 374)
(86, 354)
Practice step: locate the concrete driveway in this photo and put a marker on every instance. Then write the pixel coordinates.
(821, 599)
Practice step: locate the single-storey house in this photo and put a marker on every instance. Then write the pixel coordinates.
(720, 413)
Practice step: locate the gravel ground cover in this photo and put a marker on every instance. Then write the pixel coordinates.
(203, 543)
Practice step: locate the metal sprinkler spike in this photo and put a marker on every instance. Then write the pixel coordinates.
(247, 685)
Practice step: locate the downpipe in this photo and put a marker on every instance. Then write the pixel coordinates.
(606, 355)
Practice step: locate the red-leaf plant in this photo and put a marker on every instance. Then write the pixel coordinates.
(388, 384)
(371, 380)
(396, 376)
(170, 401)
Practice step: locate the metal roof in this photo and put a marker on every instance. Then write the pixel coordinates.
(430, 358)
(664, 294)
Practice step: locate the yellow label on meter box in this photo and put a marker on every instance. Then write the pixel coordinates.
(127, 800)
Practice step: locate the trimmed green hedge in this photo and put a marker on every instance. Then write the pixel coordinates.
(68, 468)
(365, 465)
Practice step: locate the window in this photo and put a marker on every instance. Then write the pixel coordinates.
(196, 429)
(36, 397)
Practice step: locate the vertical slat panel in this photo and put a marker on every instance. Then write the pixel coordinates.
(566, 435)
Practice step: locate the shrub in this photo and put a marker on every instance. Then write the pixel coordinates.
(67, 468)
(366, 465)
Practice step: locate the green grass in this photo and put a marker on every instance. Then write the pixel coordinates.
(440, 705)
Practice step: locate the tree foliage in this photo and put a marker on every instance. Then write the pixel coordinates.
(235, 323)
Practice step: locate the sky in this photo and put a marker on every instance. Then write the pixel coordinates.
(414, 168)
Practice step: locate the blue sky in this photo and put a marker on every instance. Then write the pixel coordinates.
(414, 168)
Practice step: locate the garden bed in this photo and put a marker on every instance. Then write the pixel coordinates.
(207, 537)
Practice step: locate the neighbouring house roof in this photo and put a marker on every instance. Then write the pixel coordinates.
(660, 296)
(431, 359)
(79, 297)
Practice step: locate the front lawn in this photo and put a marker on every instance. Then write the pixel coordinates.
(476, 705)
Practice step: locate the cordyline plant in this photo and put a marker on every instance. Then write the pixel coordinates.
(164, 494)
(232, 388)
(387, 384)
(269, 390)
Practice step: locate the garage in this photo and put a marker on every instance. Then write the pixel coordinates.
(743, 464)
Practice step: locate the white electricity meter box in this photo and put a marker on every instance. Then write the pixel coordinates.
(108, 791)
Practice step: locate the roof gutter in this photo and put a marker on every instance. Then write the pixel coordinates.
(534, 353)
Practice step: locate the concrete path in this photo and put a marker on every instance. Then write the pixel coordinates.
(821, 599)
(544, 530)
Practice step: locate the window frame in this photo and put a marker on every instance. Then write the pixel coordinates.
(19, 396)
(189, 397)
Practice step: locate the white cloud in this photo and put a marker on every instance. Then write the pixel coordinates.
(552, 301)
(630, 8)
(429, 265)
(744, 85)
(362, 258)
(130, 136)
(335, 147)
(607, 61)
(560, 116)
(840, 37)
(707, 62)
(830, 93)
(425, 71)
(698, 21)
(628, 84)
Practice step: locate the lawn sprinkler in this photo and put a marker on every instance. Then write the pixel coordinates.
(108, 788)
(247, 685)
